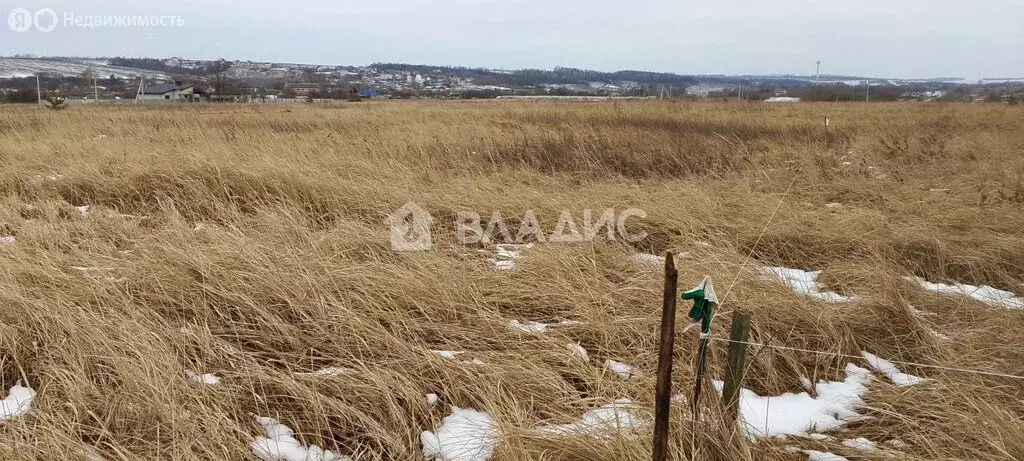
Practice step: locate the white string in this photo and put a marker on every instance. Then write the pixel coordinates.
(756, 243)
(834, 354)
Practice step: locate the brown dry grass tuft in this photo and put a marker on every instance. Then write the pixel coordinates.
(251, 242)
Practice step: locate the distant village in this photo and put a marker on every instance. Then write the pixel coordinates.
(26, 79)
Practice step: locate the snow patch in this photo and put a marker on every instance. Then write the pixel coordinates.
(621, 369)
(454, 355)
(537, 327)
(800, 414)
(7, 240)
(529, 327)
(887, 368)
(614, 417)
(861, 444)
(331, 371)
(205, 378)
(465, 435)
(451, 355)
(813, 455)
(647, 258)
(507, 254)
(17, 402)
(986, 294)
(578, 352)
(432, 399)
(803, 282)
(280, 445)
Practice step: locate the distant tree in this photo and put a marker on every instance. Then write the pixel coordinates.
(1012, 100)
(219, 70)
(87, 75)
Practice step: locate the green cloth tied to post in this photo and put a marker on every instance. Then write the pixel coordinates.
(704, 303)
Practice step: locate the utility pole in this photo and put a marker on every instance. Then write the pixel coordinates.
(95, 90)
(817, 73)
(39, 92)
(867, 96)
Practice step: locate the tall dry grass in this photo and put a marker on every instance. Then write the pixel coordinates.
(251, 242)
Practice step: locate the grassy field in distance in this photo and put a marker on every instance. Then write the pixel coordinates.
(251, 242)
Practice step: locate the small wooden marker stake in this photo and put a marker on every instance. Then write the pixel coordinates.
(663, 392)
(736, 364)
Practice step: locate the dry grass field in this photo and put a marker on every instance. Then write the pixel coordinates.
(251, 242)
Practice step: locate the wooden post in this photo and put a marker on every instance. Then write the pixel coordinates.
(663, 392)
(736, 364)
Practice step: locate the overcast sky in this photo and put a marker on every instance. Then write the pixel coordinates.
(882, 38)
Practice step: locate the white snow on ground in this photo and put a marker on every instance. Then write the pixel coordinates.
(578, 352)
(83, 210)
(803, 282)
(813, 455)
(17, 402)
(887, 368)
(432, 399)
(205, 378)
(613, 417)
(504, 265)
(453, 355)
(537, 327)
(529, 327)
(331, 371)
(280, 445)
(465, 435)
(647, 258)
(800, 414)
(7, 240)
(861, 444)
(507, 254)
(986, 294)
(621, 369)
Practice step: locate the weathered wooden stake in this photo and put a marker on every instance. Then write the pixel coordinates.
(736, 364)
(663, 393)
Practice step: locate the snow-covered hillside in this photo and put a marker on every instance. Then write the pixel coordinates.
(28, 67)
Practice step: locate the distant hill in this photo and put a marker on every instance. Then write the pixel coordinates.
(20, 67)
